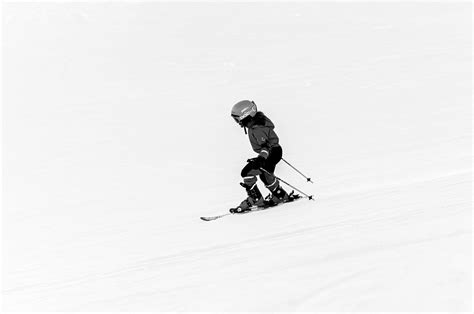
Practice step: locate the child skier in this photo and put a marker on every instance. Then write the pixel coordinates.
(265, 142)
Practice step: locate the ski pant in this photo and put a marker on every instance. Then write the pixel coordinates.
(250, 175)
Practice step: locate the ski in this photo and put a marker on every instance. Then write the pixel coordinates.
(258, 208)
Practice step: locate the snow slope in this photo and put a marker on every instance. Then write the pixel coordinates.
(117, 138)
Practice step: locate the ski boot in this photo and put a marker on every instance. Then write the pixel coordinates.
(278, 196)
(254, 199)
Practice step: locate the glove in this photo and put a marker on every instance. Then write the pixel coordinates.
(257, 162)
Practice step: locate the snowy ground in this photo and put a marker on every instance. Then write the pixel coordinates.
(117, 137)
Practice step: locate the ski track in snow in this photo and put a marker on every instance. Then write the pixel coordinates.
(107, 173)
(192, 262)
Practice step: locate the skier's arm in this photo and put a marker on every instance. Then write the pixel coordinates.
(261, 138)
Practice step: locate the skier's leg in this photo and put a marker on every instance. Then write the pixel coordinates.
(255, 197)
(267, 177)
(249, 175)
(271, 182)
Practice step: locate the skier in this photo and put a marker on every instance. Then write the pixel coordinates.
(265, 142)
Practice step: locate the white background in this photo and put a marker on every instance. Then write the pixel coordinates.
(117, 137)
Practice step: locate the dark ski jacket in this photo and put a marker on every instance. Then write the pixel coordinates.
(262, 135)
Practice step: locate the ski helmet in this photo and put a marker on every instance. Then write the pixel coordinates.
(242, 110)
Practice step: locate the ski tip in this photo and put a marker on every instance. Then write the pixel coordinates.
(213, 217)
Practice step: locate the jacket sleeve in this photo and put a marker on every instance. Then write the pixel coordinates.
(261, 146)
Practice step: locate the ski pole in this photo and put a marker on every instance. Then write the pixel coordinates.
(310, 197)
(307, 179)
